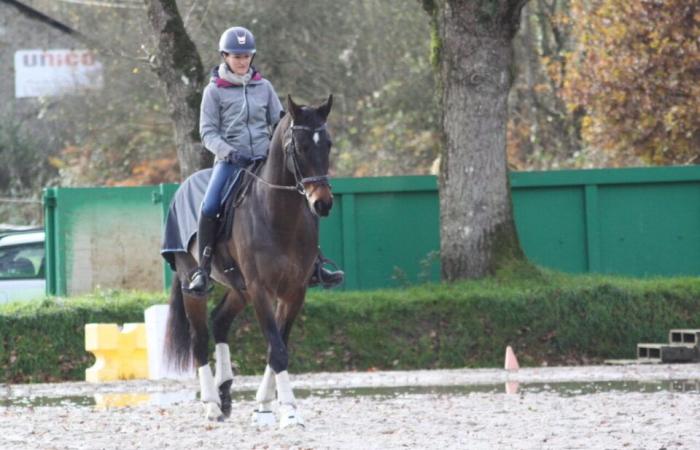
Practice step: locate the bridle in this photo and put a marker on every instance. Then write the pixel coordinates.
(289, 147)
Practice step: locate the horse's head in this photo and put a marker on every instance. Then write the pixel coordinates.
(307, 146)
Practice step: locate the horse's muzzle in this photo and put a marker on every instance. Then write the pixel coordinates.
(323, 208)
(320, 200)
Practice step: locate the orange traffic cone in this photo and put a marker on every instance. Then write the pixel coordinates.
(511, 360)
(512, 387)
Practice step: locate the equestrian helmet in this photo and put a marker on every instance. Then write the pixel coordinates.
(237, 40)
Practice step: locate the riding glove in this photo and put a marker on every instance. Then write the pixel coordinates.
(238, 158)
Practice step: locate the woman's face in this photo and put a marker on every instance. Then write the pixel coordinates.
(238, 63)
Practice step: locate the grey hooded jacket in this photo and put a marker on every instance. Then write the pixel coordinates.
(236, 118)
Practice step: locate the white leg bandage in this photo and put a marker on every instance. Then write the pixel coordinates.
(223, 365)
(266, 391)
(285, 396)
(208, 391)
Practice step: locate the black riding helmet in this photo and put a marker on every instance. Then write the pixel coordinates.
(237, 40)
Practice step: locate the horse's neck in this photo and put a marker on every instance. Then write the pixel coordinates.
(284, 207)
(275, 169)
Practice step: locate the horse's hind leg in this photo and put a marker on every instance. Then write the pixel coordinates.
(196, 308)
(222, 316)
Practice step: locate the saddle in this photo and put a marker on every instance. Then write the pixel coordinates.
(233, 197)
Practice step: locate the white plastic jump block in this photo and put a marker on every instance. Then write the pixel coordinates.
(156, 318)
(121, 354)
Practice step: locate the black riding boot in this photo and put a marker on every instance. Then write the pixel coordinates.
(208, 226)
(326, 278)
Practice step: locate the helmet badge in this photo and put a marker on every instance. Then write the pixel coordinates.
(241, 38)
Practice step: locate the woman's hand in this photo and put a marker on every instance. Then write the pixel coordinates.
(236, 157)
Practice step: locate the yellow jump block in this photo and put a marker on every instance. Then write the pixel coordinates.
(122, 354)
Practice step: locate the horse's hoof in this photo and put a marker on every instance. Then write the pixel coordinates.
(214, 412)
(289, 417)
(263, 419)
(225, 397)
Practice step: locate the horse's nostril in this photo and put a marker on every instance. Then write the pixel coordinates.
(322, 208)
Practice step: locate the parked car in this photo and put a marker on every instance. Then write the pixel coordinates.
(22, 265)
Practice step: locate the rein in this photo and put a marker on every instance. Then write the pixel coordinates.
(289, 149)
(268, 184)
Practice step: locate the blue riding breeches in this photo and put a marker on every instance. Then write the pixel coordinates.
(222, 172)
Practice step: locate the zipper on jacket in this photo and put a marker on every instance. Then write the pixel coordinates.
(247, 121)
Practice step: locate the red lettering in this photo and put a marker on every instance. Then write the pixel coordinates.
(59, 58)
(47, 59)
(87, 59)
(71, 59)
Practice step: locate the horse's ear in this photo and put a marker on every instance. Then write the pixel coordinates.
(325, 108)
(294, 109)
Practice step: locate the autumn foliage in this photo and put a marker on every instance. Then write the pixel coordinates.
(154, 171)
(635, 71)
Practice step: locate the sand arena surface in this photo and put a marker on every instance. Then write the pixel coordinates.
(629, 407)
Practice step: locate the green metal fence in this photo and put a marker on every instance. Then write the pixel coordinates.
(384, 231)
(642, 221)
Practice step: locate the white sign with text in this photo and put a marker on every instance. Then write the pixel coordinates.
(43, 73)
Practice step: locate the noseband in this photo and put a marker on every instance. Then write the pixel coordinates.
(290, 152)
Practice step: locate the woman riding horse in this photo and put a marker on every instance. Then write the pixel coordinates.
(274, 237)
(239, 110)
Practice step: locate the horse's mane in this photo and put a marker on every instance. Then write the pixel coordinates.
(280, 129)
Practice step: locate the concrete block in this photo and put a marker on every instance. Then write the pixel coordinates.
(666, 353)
(684, 336)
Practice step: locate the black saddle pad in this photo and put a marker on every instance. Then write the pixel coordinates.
(183, 215)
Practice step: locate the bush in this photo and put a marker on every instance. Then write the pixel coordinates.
(551, 319)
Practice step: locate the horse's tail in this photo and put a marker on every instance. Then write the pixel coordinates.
(178, 341)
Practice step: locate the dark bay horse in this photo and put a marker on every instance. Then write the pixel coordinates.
(275, 242)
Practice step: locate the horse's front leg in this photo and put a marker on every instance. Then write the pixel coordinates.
(287, 311)
(196, 309)
(265, 396)
(276, 330)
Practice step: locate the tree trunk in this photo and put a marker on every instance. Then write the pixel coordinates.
(474, 57)
(179, 67)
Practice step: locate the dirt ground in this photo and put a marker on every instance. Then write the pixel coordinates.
(592, 407)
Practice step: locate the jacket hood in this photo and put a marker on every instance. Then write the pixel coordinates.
(220, 82)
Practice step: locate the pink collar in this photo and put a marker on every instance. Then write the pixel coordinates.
(220, 82)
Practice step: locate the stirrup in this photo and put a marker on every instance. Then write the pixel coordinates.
(331, 279)
(327, 279)
(199, 283)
